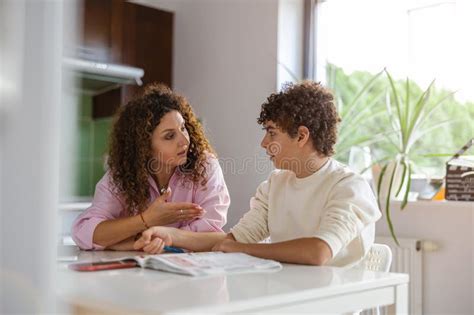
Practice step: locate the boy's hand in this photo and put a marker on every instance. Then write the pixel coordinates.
(227, 246)
(154, 239)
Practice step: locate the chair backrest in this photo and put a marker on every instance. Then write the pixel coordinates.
(379, 258)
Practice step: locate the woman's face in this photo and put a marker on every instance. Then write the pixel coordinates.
(170, 140)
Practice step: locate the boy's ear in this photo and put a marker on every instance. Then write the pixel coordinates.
(303, 135)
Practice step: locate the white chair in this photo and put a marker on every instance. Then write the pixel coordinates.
(379, 258)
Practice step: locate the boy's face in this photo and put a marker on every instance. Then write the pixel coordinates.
(282, 149)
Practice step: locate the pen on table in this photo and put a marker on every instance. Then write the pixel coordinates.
(173, 249)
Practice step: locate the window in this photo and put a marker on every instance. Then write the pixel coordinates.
(421, 40)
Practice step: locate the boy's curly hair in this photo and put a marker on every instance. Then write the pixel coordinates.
(130, 143)
(306, 104)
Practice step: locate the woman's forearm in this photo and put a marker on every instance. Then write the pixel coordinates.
(126, 244)
(111, 232)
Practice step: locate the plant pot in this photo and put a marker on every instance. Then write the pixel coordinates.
(395, 187)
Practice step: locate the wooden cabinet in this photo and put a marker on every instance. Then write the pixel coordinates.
(116, 31)
(149, 42)
(102, 30)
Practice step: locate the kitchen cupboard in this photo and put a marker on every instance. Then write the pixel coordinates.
(119, 32)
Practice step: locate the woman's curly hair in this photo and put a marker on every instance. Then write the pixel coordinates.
(306, 104)
(130, 149)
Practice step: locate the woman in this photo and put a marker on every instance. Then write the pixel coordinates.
(162, 171)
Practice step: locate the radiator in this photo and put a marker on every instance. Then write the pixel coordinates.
(408, 258)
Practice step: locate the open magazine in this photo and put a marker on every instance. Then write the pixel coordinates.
(207, 263)
(194, 264)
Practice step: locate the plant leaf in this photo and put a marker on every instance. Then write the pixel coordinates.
(393, 122)
(343, 147)
(405, 198)
(403, 178)
(349, 124)
(391, 141)
(387, 206)
(417, 115)
(353, 104)
(430, 129)
(350, 120)
(376, 162)
(436, 155)
(434, 108)
(400, 120)
(407, 104)
(379, 183)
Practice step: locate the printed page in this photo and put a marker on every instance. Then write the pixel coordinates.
(208, 263)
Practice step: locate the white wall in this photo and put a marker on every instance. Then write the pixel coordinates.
(447, 273)
(225, 64)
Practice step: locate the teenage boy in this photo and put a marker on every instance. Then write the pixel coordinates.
(315, 210)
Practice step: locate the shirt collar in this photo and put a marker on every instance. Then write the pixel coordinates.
(153, 185)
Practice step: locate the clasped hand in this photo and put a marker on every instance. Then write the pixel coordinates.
(154, 240)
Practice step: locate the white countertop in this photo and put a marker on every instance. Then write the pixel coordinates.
(79, 205)
(143, 290)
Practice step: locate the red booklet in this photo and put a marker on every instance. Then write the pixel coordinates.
(104, 265)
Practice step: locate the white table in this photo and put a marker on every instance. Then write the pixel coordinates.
(293, 289)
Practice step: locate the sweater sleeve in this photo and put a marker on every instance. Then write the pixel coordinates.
(106, 205)
(253, 227)
(212, 197)
(350, 208)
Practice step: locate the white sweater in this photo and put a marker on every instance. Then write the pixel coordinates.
(333, 204)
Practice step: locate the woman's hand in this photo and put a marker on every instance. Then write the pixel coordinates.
(154, 239)
(161, 212)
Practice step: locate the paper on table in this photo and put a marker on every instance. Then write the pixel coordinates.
(206, 263)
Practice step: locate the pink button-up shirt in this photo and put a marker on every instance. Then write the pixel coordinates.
(108, 204)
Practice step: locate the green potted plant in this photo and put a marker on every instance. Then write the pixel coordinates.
(410, 117)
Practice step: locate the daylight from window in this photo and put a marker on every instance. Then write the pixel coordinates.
(419, 40)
